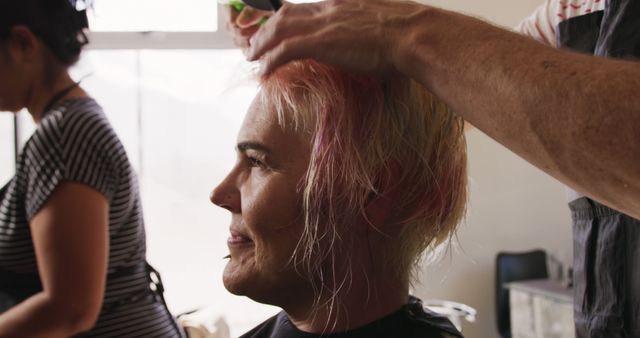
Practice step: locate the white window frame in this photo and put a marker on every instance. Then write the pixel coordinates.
(150, 40)
(219, 39)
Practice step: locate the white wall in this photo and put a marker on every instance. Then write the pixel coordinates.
(513, 206)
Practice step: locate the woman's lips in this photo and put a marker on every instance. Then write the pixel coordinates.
(238, 239)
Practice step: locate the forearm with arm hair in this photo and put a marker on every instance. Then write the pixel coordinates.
(574, 116)
(38, 316)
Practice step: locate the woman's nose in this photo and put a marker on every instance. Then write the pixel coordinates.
(226, 196)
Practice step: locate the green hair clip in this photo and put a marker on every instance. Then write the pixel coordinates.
(238, 5)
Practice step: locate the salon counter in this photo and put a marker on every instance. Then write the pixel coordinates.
(541, 308)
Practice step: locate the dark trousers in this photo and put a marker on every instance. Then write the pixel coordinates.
(606, 270)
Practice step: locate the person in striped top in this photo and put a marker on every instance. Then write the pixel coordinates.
(72, 237)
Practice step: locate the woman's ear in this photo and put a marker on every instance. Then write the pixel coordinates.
(24, 46)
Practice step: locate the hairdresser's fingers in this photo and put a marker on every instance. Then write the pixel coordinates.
(292, 49)
(240, 35)
(230, 25)
(242, 43)
(251, 17)
(362, 58)
(359, 35)
(242, 31)
(232, 14)
(291, 20)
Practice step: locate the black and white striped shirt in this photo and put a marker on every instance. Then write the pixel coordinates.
(75, 142)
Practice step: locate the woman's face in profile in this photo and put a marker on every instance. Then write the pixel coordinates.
(262, 194)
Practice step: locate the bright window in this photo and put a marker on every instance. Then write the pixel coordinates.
(6, 144)
(154, 15)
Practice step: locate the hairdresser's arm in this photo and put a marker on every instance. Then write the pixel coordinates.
(70, 237)
(576, 117)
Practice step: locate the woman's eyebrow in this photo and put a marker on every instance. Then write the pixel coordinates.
(250, 145)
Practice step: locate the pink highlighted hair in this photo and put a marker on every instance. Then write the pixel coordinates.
(370, 138)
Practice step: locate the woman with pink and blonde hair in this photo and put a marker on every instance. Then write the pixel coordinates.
(342, 182)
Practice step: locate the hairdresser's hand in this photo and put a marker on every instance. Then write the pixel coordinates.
(244, 24)
(358, 35)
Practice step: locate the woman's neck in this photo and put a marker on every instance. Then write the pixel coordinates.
(43, 92)
(366, 301)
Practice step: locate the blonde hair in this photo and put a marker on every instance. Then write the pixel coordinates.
(369, 138)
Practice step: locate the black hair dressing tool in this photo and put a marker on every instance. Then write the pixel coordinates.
(80, 14)
(265, 5)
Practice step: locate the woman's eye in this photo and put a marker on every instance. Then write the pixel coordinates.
(254, 162)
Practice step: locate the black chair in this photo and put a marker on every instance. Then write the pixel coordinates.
(511, 267)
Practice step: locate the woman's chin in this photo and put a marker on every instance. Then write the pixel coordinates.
(233, 279)
(241, 282)
(237, 279)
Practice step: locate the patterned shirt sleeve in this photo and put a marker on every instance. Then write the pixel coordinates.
(76, 146)
(542, 24)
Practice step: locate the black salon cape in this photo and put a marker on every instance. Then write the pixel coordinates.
(412, 321)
